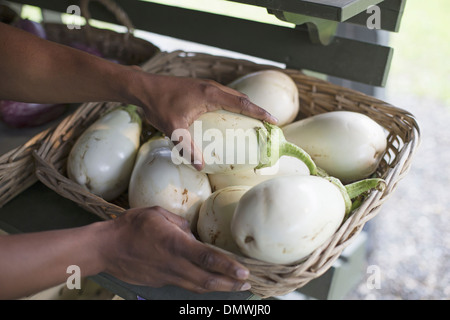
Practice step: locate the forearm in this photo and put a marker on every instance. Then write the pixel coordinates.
(36, 261)
(42, 71)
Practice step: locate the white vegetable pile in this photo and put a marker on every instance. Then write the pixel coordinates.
(278, 210)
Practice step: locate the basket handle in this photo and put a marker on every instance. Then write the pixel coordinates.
(120, 15)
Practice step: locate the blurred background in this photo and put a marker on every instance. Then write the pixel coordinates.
(409, 240)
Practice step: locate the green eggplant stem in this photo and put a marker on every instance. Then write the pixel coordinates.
(273, 145)
(290, 149)
(132, 111)
(343, 190)
(357, 202)
(354, 191)
(357, 188)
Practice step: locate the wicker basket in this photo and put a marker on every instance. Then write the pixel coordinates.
(124, 48)
(17, 166)
(316, 96)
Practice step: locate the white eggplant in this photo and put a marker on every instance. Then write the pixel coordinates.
(285, 166)
(157, 181)
(234, 142)
(214, 220)
(284, 219)
(102, 158)
(347, 145)
(273, 91)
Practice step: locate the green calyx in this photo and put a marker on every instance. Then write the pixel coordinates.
(345, 195)
(358, 188)
(134, 115)
(354, 193)
(273, 145)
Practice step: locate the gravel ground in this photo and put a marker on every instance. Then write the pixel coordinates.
(409, 240)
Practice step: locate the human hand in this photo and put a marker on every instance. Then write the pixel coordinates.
(154, 247)
(175, 103)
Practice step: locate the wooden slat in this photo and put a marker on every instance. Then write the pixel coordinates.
(336, 10)
(391, 10)
(344, 58)
(391, 15)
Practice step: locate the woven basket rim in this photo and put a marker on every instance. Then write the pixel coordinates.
(17, 168)
(126, 47)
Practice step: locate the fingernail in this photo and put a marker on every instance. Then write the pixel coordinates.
(198, 167)
(246, 286)
(242, 273)
(273, 119)
(198, 164)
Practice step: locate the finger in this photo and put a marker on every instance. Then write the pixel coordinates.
(229, 90)
(197, 159)
(193, 278)
(214, 261)
(179, 221)
(212, 283)
(240, 103)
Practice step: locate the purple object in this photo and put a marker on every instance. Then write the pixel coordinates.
(22, 114)
(86, 48)
(31, 26)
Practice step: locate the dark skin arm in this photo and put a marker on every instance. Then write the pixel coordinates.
(148, 246)
(45, 72)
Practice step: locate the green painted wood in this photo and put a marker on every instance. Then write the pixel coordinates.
(342, 11)
(391, 15)
(320, 31)
(344, 58)
(337, 10)
(39, 209)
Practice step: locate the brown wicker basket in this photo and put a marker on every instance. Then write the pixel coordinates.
(124, 48)
(17, 166)
(316, 96)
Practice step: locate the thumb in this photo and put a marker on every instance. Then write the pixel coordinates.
(177, 220)
(197, 160)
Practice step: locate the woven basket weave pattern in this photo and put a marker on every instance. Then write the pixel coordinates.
(125, 48)
(316, 96)
(17, 169)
